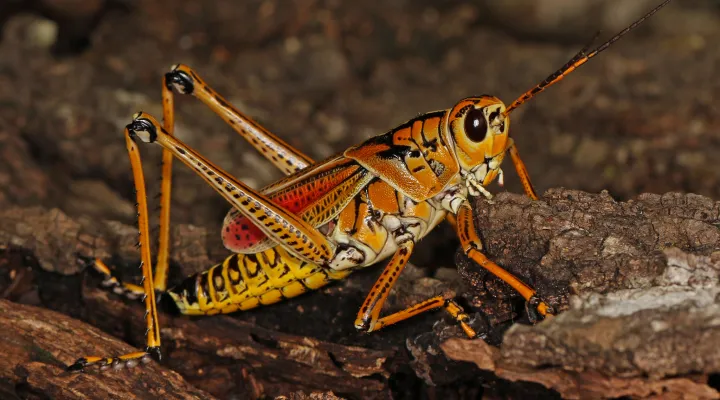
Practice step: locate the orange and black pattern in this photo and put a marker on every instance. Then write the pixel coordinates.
(415, 158)
(373, 202)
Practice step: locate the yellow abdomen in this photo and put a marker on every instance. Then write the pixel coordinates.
(245, 281)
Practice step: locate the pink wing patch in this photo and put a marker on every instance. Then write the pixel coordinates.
(240, 235)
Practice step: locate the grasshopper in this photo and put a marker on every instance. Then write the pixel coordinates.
(327, 219)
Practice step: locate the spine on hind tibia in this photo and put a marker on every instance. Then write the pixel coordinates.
(245, 281)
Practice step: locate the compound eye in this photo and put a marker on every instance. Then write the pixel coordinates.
(475, 125)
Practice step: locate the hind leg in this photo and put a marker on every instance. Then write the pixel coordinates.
(153, 329)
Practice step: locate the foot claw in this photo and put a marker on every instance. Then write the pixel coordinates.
(84, 261)
(78, 366)
(116, 363)
(153, 352)
(469, 331)
(534, 306)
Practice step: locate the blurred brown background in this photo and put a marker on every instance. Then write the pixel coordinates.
(326, 74)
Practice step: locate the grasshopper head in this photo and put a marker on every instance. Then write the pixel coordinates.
(479, 128)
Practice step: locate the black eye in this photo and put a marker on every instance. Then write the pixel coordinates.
(475, 125)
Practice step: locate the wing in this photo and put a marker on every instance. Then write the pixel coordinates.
(414, 158)
(317, 193)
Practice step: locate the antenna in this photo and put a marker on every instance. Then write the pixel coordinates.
(579, 59)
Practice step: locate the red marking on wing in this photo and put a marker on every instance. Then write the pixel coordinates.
(239, 233)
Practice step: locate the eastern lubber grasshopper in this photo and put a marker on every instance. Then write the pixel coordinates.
(324, 220)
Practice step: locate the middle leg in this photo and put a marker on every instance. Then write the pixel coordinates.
(368, 318)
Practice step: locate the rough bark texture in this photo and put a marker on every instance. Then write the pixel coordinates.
(224, 355)
(37, 345)
(636, 283)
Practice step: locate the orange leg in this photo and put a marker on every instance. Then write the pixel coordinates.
(186, 81)
(368, 318)
(183, 79)
(522, 171)
(151, 319)
(291, 231)
(129, 290)
(472, 245)
(163, 256)
(286, 158)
